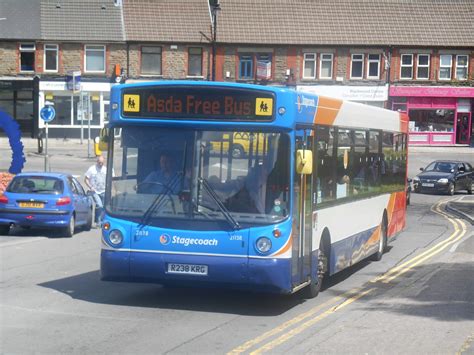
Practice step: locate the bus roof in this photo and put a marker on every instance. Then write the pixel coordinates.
(290, 108)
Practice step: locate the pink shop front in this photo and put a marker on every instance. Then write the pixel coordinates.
(439, 115)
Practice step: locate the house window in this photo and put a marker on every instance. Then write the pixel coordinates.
(245, 67)
(27, 57)
(309, 71)
(374, 66)
(151, 61)
(406, 67)
(357, 66)
(423, 67)
(263, 66)
(461, 67)
(325, 66)
(445, 65)
(95, 59)
(195, 61)
(50, 57)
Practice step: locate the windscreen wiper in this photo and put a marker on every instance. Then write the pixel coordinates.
(158, 201)
(233, 223)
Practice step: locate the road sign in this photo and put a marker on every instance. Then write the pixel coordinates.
(47, 113)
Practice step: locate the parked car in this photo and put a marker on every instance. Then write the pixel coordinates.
(50, 200)
(445, 176)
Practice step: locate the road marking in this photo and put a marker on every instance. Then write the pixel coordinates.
(355, 294)
(285, 337)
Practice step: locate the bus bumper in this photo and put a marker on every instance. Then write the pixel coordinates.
(259, 274)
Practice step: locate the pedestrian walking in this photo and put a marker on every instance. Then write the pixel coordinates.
(95, 182)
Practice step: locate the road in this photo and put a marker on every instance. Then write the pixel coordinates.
(418, 299)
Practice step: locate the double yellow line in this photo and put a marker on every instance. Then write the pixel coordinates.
(309, 318)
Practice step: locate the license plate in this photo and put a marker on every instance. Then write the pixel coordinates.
(189, 269)
(425, 184)
(31, 204)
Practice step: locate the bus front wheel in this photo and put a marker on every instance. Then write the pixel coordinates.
(312, 290)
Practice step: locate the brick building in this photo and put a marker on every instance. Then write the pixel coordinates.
(410, 55)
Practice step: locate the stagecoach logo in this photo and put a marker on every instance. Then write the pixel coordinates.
(165, 239)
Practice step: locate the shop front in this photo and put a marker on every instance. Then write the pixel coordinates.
(369, 95)
(438, 115)
(77, 113)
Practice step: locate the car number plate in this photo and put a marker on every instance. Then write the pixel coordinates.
(31, 204)
(190, 269)
(425, 184)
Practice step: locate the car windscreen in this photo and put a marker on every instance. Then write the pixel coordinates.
(36, 185)
(441, 166)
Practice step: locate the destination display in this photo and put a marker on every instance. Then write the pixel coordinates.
(195, 102)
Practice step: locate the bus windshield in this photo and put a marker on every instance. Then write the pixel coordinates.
(234, 177)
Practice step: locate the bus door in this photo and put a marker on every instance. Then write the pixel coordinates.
(302, 216)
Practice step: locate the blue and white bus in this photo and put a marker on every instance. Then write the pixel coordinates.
(247, 186)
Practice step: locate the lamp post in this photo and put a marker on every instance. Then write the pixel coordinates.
(215, 7)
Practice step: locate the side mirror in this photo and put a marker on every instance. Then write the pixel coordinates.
(304, 161)
(462, 169)
(104, 139)
(421, 169)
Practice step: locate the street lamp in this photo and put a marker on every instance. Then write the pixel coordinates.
(215, 7)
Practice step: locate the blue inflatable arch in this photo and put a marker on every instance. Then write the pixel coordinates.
(12, 129)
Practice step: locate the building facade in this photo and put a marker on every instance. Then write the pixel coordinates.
(412, 56)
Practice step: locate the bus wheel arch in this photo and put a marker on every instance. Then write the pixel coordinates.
(383, 240)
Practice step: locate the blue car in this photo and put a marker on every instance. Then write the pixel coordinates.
(48, 200)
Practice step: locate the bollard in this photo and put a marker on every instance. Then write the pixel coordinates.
(97, 150)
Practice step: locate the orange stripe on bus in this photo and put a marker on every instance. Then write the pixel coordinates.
(285, 248)
(327, 110)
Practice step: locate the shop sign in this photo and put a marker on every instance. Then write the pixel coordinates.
(352, 93)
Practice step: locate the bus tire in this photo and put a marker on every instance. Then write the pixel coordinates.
(312, 290)
(382, 242)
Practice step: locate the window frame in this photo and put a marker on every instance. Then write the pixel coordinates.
(466, 67)
(450, 67)
(372, 61)
(402, 66)
(142, 72)
(248, 60)
(321, 60)
(305, 60)
(200, 62)
(418, 66)
(361, 61)
(27, 50)
(45, 57)
(89, 47)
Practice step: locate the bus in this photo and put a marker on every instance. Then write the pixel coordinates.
(324, 190)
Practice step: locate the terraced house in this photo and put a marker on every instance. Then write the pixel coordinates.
(410, 55)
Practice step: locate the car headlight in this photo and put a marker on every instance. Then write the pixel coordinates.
(115, 237)
(443, 181)
(263, 245)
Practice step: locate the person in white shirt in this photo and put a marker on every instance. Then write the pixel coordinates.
(95, 181)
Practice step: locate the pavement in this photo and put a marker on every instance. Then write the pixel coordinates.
(463, 207)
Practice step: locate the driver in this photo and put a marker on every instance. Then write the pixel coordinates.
(164, 180)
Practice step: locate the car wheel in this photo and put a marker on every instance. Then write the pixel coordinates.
(237, 151)
(469, 189)
(382, 242)
(69, 230)
(417, 190)
(4, 229)
(451, 189)
(88, 225)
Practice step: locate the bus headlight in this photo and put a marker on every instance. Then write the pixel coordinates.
(263, 245)
(115, 237)
(443, 181)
